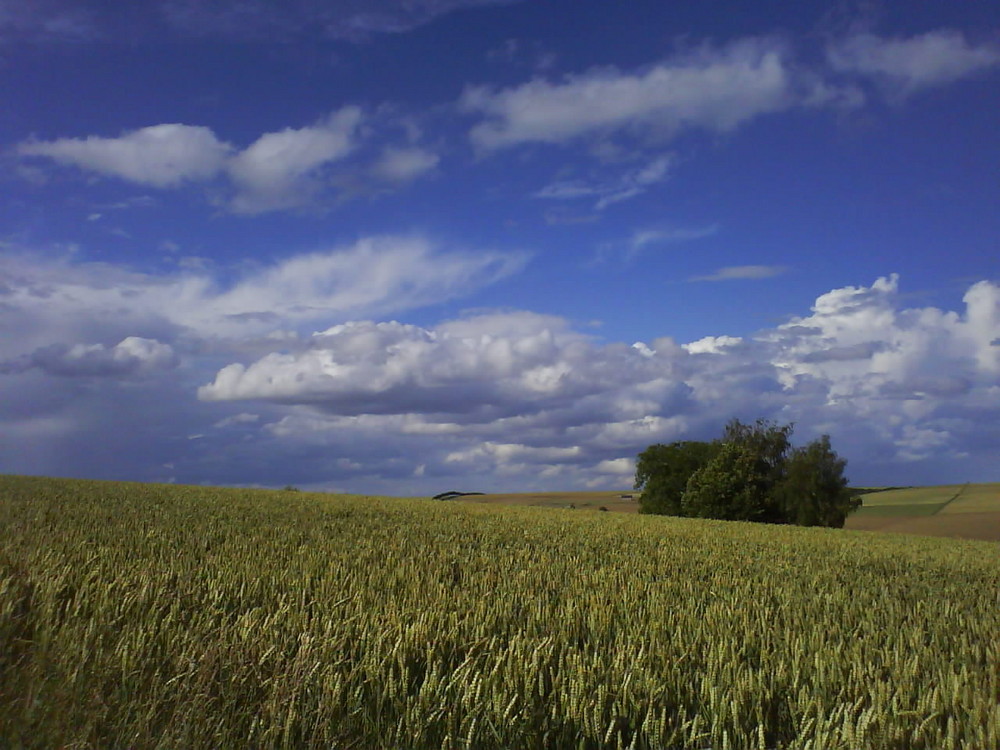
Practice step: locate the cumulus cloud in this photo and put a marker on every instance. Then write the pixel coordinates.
(71, 395)
(712, 344)
(484, 367)
(526, 397)
(907, 65)
(857, 340)
(133, 356)
(161, 156)
(714, 89)
(515, 399)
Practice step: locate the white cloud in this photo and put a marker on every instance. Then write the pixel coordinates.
(75, 402)
(238, 419)
(931, 59)
(644, 238)
(376, 275)
(621, 466)
(510, 399)
(397, 165)
(730, 273)
(713, 344)
(526, 398)
(279, 170)
(288, 169)
(160, 156)
(715, 89)
(504, 454)
(499, 362)
(866, 348)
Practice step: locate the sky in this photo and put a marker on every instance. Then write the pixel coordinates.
(410, 246)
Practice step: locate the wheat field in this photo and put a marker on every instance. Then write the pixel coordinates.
(154, 616)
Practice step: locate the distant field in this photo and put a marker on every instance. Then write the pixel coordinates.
(969, 511)
(156, 616)
(622, 501)
(976, 498)
(959, 498)
(926, 511)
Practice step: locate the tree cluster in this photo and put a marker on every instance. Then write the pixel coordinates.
(752, 473)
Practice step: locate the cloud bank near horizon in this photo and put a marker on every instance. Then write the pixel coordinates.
(514, 399)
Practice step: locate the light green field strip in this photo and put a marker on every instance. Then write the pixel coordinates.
(918, 509)
(976, 498)
(913, 496)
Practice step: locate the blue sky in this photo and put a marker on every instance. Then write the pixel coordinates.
(405, 247)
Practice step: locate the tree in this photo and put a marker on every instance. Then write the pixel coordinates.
(739, 483)
(814, 492)
(751, 474)
(662, 473)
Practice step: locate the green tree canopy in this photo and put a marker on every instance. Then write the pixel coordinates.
(739, 483)
(751, 473)
(662, 473)
(814, 492)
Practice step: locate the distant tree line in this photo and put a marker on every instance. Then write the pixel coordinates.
(752, 473)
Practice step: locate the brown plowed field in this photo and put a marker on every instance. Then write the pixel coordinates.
(959, 525)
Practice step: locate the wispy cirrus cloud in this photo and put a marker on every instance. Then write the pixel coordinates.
(78, 21)
(734, 273)
(353, 20)
(373, 276)
(612, 189)
(715, 89)
(643, 238)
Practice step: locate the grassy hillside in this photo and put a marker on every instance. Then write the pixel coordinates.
(151, 616)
